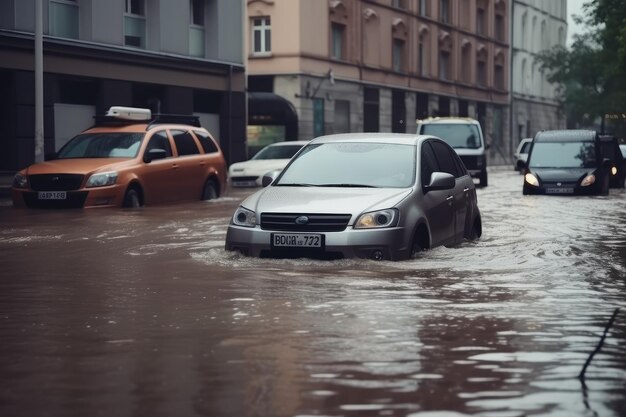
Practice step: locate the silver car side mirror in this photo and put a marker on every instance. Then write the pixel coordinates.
(441, 181)
(269, 177)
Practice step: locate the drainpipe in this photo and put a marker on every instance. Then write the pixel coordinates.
(511, 52)
(39, 138)
(230, 114)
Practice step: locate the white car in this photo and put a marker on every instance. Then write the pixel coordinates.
(272, 157)
(521, 154)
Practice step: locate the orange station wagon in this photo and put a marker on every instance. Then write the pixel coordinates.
(128, 159)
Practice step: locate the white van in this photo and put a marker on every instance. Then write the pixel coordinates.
(465, 136)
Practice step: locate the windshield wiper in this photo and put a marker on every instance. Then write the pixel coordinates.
(348, 185)
(295, 185)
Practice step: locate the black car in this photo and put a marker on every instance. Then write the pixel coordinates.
(567, 162)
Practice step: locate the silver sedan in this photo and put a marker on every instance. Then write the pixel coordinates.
(365, 195)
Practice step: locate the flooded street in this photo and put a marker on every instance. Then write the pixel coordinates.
(143, 313)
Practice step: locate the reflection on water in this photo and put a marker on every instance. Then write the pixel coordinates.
(118, 312)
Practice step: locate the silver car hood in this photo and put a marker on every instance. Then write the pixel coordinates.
(324, 199)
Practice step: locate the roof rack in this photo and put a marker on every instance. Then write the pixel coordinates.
(176, 118)
(122, 116)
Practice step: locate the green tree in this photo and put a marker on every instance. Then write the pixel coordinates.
(591, 74)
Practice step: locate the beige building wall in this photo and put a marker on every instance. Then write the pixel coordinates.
(304, 69)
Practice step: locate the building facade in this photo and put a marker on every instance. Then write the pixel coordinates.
(378, 65)
(539, 25)
(184, 57)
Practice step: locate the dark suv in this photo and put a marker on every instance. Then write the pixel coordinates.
(610, 149)
(567, 162)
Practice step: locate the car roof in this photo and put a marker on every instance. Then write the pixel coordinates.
(571, 135)
(289, 142)
(395, 138)
(139, 127)
(448, 120)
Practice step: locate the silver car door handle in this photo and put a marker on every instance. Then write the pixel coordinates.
(465, 190)
(450, 198)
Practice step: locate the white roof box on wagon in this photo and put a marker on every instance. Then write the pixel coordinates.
(129, 113)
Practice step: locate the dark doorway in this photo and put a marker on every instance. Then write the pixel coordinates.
(444, 107)
(421, 106)
(398, 112)
(371, 107)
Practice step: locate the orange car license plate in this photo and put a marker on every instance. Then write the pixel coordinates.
(52, 195)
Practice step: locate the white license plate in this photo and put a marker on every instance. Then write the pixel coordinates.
(559, 190)
(244, 183)
(52, 195)
(297, 240)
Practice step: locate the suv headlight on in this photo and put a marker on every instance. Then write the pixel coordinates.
(588, 180)
(377, 219)
(531, 180)
(102, 179)
(20, 181)
(244, 217)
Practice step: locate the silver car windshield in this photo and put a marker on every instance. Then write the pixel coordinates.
(102, 145)
(457, 135)
(563, 155)
(277, 152)
(350, 164)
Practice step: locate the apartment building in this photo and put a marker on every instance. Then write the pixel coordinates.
(539, 25)
(168, 55)
(330, 66)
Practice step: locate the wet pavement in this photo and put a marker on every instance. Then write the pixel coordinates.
(143, 313)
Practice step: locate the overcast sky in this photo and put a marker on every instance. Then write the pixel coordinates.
(573, 7)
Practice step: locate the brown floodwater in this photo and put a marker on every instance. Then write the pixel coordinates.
(143, 313)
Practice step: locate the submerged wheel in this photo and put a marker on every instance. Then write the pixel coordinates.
(420, 242)
(131, 199)
(477, 229)
(209, 192)
(483, 177)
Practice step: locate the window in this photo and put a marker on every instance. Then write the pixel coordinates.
(480, 21)
(400, 4)
(207, 143)
(444, 65)
(499, 21)
(185, 143)
(420, 58)
(428, 163)
(422, 7)
(444, 158)
(481, 73)
(135, 7)
(64, 18)
(498, 70)
(466, 66)
(444, 11)
(135, 24)
(398, 55)
(481, 67)
(337, 40)
(261, 35)
(159, 140)
(499, 29)
(196, 28)
(422, 55)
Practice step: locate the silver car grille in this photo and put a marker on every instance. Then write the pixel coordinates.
(302, 222)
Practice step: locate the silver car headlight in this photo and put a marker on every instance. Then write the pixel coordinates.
(244, 217)
(377, 219)
(20, 181)
(102, 179)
